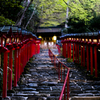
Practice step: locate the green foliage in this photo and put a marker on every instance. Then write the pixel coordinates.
(95, 24)
(83, 15)
(76, 25)
(35, 18)
(51, 12)
(10, 8)
(69, 60)
(6, 21)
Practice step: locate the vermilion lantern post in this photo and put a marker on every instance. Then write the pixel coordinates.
(33, 43)
(73, 45)
(34, 46)
(84, 44)
(9, 45)
(24, 52)
(15, 44)
(29, 35)
(79, 41)
(62, 41)
(64, 48)
(87, 50)
(98, 51)
(38, 45)
(76, 47)
(94, 43)
(5, 50)
(69, 46)
(19, 51)
(82, 49)
(91, 51)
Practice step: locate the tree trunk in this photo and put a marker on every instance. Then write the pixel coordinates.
(66, 26)
(30, 19)
(20, 21)
(67, 11)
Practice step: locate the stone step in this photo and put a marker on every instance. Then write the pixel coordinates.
(86, 98)
(17, 98)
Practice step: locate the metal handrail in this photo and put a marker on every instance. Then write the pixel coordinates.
(62, 76)
(58, 47)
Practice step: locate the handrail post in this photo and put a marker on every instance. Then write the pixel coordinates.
(59, 70)
(68, 88)
(65, 93)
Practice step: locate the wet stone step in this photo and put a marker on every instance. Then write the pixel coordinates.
(86, 98)
(19, 98)
(86, 94)
(43, 94)
(32, 85)
(23, 94)
(43, 88)
(51, 92)
(28, 89)
(76, 91)
(38, 98)
(49, 83)
(31, 92)
(32, 70)
(53, 98)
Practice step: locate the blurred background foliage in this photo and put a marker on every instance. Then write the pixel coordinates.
(83, 15)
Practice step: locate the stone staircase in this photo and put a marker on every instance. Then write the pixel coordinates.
(82, 86)
(40, 81)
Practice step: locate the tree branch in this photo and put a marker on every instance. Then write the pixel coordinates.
(20, 21)
(65, 2)
(29, 19)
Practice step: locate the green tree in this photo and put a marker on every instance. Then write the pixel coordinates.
(8, 11)
(6, 21)
(52, 12)
(31, 19)
(27, 4)
(81, 13)
(10, 8)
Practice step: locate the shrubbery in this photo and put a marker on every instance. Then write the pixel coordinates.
(6, 21)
